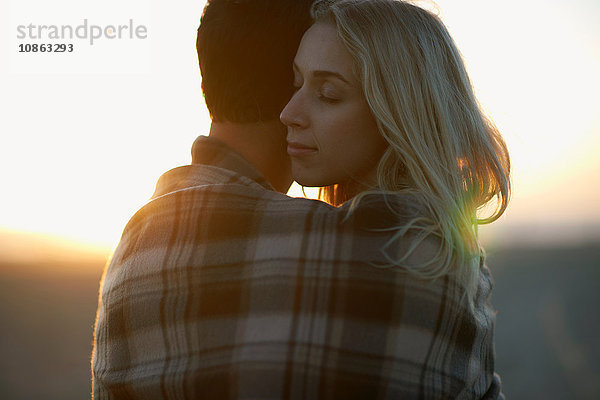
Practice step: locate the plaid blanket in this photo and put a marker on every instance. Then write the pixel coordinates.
(221, 288)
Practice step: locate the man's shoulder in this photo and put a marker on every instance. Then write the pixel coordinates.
(221, 199)
(196, 176)
(209, 151)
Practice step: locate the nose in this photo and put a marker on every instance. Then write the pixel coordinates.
(292, 114)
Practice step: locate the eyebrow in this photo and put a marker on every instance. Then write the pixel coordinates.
(326, 74)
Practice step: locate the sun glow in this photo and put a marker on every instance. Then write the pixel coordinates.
(81, 152)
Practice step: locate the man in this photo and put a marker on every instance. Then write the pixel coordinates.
(246, 50)
(223, 288)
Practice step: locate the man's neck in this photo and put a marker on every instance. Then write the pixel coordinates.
(263, 144)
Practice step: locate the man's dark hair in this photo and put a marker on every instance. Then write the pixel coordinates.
(246, 49)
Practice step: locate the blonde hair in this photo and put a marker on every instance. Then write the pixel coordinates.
(442, 148)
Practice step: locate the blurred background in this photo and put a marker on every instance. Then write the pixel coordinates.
(85, 135)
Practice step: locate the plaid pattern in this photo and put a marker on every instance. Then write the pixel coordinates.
(223, 289)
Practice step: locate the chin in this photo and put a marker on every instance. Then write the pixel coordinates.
(305, 183)
(312, 177)
(313, 181)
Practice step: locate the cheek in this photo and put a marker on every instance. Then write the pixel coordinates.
(333, 129)
(353, 148)
(349, 147)
(363, 150)
(362, 135)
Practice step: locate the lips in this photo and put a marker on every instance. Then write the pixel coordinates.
(297, 149)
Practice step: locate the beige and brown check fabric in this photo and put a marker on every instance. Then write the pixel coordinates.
(221, 288)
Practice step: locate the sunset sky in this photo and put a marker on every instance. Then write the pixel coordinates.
(86, 134)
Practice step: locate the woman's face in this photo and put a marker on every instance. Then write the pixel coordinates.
(332, 136)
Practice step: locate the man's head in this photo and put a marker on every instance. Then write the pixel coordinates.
(246, 49)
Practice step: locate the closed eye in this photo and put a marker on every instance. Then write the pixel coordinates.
(327, 99)
(328, 94)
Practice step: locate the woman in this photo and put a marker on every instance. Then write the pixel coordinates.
(384, 107)
(383, 103)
